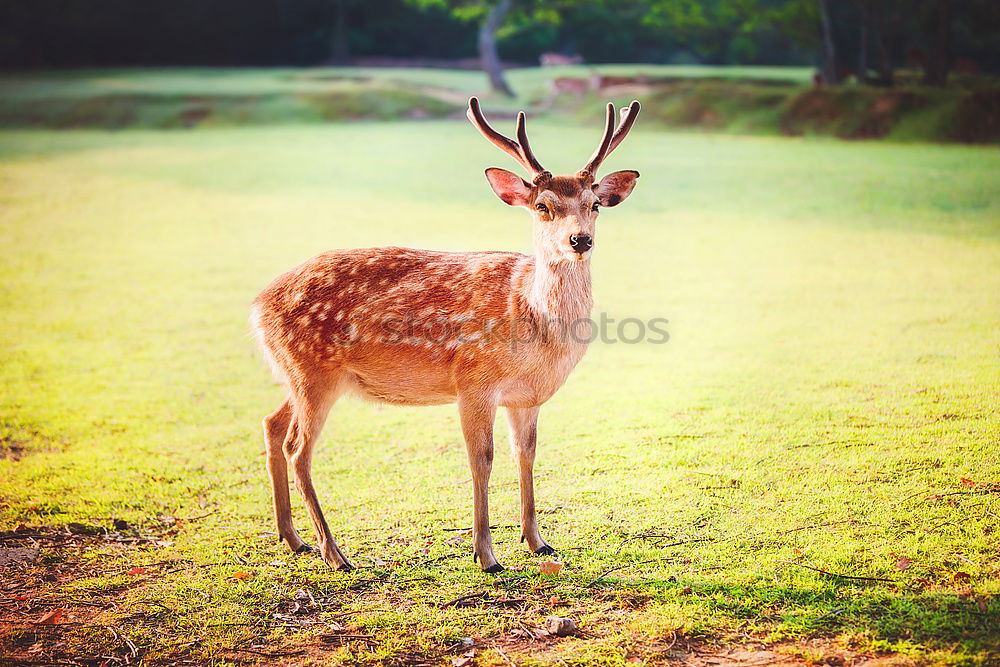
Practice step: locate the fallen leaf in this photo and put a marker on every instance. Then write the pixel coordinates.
(137, 570)
(550, 567)
(904, 564)
(797, 551)
(51, 618)
(961, 577)
(968, 483)
(19, 597)
(242, 576)
(467, 531)
(553, 600)
(687, 590)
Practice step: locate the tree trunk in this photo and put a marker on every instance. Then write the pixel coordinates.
(829, 69)
(488, 47)
(866, 20)
(938, 44)
(341, 46)
(884, 67)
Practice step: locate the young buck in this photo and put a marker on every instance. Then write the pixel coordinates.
(419, 327)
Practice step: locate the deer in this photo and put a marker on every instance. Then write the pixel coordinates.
(557, 59)
(355, 322)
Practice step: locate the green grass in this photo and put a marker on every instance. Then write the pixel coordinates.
(831, 378)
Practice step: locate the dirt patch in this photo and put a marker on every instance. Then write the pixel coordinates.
(16, 442)
(36, 617)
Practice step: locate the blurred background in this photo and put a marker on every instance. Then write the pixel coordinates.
(911, 69)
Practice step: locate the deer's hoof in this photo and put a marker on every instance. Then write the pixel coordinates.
(544, 550)
(346, 567)
(305, 548)
(493, 569)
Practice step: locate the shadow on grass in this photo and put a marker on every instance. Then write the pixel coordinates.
(933, 618)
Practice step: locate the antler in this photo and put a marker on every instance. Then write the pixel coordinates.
(520, 150)
(612, 137)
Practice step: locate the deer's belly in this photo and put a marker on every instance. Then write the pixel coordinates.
(402, 376)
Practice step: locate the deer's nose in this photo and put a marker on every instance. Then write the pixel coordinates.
(581, 242)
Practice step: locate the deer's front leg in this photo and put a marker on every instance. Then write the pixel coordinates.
(523, 433)
(477, 427)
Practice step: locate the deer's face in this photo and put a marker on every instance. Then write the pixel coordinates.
(564, 208)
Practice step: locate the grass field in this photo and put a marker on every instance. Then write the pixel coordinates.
(809, 465)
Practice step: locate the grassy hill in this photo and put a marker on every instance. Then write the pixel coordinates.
(754, 100)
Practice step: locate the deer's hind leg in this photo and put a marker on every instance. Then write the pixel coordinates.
(276, 428)
(311, 405)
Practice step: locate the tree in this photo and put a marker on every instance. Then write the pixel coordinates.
(340, 53)
(874, 32)
(937, 31)
(491, 15)
(495, 18)
(488, 54)
(703, 28)
(829, 62)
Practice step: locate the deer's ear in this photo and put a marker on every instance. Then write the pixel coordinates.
(511, 188)
(615, 187)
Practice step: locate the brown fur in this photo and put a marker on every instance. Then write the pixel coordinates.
(422, 327)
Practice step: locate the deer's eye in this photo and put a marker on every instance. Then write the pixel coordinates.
(541, 208)
(595, 206)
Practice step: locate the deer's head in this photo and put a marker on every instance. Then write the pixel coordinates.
(564, 208)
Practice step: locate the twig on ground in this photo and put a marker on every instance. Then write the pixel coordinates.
(199, 517)
(267, 654)
(463, 598)
(832, 612)
(622, 567)
(338, 639)
(836, 574)
(440, 558)
(503, 655)
(122, 637)
(646, 536)
(817, 444)
(817, 525)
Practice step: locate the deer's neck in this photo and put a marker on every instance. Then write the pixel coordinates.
(560, 290)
